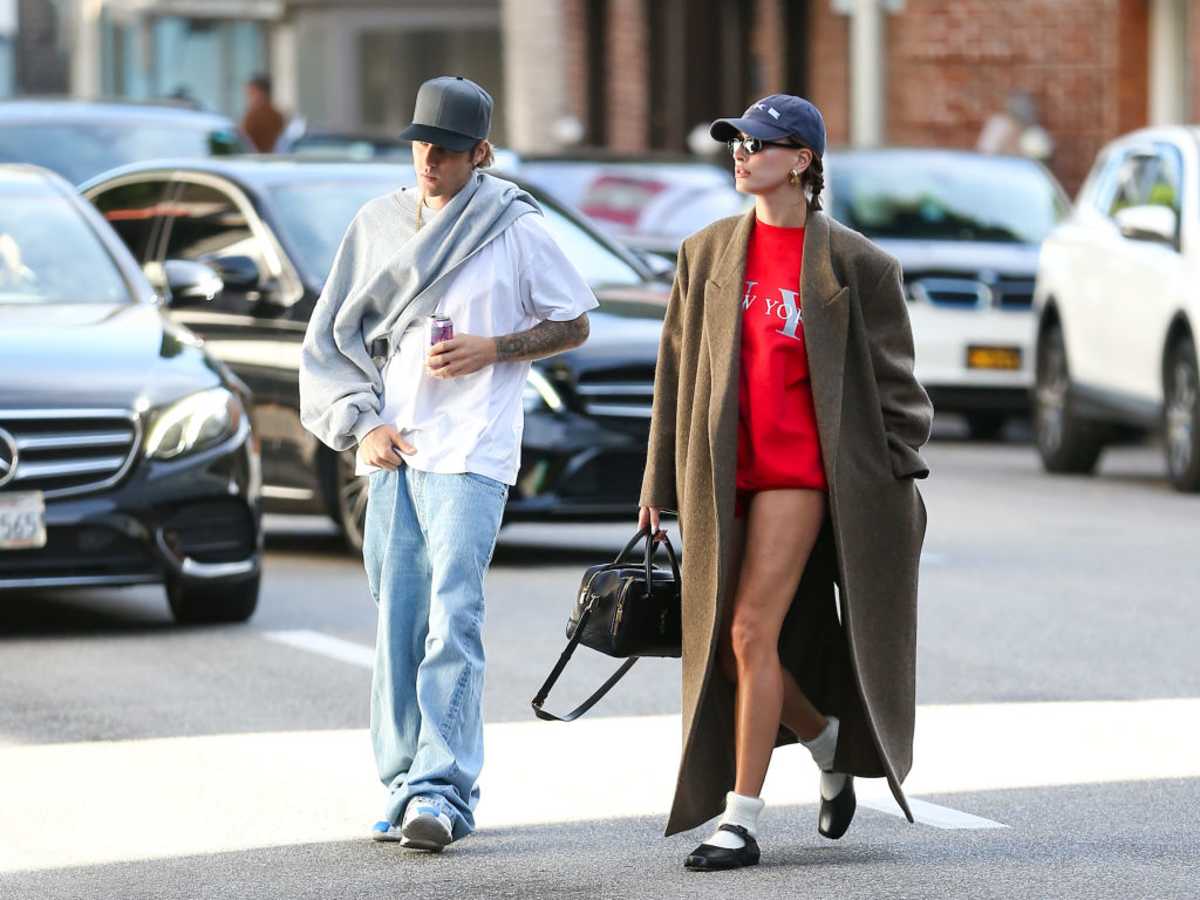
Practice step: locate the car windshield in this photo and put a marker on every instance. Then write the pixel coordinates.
(79, 150)
(935, 198)
(312, 216)
(48, 253)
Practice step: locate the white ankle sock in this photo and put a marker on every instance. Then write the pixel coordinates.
(739, 810)
(832, 784)
(824, 745)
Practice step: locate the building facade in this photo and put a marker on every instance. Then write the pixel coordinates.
(643, 74)
(638, 75)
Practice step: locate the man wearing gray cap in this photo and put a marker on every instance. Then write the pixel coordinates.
(438, 429)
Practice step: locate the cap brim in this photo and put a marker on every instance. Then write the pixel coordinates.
(728, 129)
(429, 134)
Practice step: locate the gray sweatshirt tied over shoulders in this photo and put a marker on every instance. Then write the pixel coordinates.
(386, 275)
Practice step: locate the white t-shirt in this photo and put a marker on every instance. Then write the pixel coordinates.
(474, 423)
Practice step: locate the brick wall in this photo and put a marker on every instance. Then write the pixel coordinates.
(829, 72)
(574, 24)
(628, 92)
(767, 48)
(952, 64)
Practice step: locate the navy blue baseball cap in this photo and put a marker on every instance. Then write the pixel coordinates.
(775, 118)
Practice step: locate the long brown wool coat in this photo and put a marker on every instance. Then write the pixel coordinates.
(873, 417)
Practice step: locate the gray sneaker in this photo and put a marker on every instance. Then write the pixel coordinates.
(426, 825)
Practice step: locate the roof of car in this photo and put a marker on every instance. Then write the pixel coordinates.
(261, 169)
(58, 108)
(930, 153)
(28, 173)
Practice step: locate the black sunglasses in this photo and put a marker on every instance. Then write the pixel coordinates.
(754, 145)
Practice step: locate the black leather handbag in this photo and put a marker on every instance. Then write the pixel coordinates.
(626, 609)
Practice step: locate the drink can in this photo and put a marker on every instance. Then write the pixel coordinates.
(441, 328)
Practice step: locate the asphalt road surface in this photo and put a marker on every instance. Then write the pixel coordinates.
(1056, 752)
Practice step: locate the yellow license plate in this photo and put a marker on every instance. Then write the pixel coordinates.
(1008, 358)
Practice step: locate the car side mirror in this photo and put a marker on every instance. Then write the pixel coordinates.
(190, 283)
(1148, 223)
(237, 272)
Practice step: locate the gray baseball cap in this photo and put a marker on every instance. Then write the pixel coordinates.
(452, 112)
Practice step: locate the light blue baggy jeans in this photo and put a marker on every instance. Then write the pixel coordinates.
(427, 545)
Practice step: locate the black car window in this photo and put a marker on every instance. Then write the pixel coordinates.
(206, 224)
(49, 253)
(132, 209)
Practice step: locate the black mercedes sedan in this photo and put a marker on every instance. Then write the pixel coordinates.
(269, 229)
(126, 450)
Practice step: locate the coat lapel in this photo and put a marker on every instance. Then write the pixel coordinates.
(723, 333)
(826, 319)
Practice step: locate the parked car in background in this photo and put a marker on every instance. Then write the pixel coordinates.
(79, 139)
(270, 228)
(648, 203)
(967, 229)
(126, 451)
(301, 139)
(1118, 310)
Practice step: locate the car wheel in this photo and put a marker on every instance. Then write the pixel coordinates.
(199, 603)
(986, 426)
(1181, 413)
(1066, 442)
(349, 500)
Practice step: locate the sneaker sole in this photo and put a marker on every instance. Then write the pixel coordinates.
(386, 837)
(426, 833)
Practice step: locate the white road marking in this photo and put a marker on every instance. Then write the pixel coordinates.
(929, 813)
(326, 645)
(91, 803)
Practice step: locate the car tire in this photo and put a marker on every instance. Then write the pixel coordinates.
(204, 603)
(986, 426)
(346, 494)
(1181, 416)
(1066, 442)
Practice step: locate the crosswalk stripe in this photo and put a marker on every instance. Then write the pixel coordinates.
(325, 645)
(111, 801)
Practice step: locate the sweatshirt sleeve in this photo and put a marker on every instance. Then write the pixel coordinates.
(341, 388)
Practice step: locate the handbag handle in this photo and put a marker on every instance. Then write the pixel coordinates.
(652, 543)
(539, 700)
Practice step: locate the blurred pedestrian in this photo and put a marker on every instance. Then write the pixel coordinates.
(439, 431)
(262, 123)
(785, 432)
(1015, 130)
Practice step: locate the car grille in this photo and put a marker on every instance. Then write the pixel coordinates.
(67, 452)
(964, 292)
(623, 393)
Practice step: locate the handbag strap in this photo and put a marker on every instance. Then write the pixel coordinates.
(539, 699)
(544, 691)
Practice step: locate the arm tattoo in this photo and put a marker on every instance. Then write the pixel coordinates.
(542, 340)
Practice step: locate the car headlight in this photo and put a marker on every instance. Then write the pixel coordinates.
(193, 423)
(540, 393)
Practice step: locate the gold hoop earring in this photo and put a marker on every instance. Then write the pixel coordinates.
(794, 178)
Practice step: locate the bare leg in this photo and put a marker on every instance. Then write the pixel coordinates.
(799, 715)
(781, 529)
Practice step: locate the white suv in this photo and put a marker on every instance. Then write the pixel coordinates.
(1118, 308)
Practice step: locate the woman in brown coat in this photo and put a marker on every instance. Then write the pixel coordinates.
(785, 433)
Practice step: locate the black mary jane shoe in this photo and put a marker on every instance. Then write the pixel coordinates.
(837, 814)
(708, 857)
